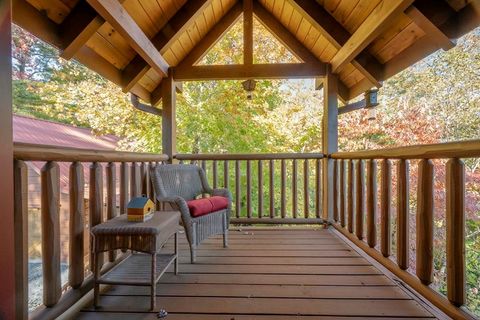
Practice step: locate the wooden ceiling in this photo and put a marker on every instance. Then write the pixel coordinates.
(135, 43)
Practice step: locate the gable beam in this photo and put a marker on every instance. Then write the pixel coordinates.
(114, 13)
(255, 71)
(170, 33)
(247, 31)
(381, 17)
(337, 35)
(283, 35)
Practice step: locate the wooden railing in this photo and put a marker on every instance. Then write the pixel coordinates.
(133, 167)
(248, 175)
(356, 205)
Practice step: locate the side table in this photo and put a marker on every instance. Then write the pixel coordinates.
(145, 237)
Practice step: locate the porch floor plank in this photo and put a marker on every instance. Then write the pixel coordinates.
(268, 274)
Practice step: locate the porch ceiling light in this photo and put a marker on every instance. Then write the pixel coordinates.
(249, 86)
(371, 103)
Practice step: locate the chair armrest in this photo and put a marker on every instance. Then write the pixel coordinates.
(180, 203)
(222, 192)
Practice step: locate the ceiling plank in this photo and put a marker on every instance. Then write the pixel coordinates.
(283, 35)
(337, 35)
(114, 13)
(430, 29)
(254, 71)
(79, 26)
(170, 33)
(381, 17)
(212, 37)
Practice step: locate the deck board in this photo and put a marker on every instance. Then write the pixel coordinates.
(268, 274)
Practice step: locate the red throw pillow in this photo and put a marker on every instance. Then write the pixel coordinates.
(205, 206)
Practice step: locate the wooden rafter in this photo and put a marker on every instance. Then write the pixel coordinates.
(29, 18)
(247, 31)
(79, 26)
(172, 30)
(114, 13)
(381, 17)
(337, 35)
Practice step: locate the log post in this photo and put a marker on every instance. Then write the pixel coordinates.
(169, 126)
(260, 188)
(329, 139)
(455, 188)
(306, 189)
(249, 189)
(335, 190)
(294, 188)
(271, 180)
(425, 222)
(96, 202)
(7, 227)
(238, 199)
(403, 214)
(124, 187)
(360, 198)
(386, 192)
(112, 197)
(76, 225)
(372, 203)
(21, 238)
(341, 168)
(350, 196)
(52, 284)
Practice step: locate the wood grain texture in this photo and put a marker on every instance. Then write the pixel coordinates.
(335, 191)
(359, 198)
(403, 214)
(371, 206)
(283, 187)
(112, 199)
(341, 168)
(294, 188)
(249, 189)
(21, 238)
(260, 188)
(76, 265)
(455, 215)
(124, 194)
(350, 200)
(306, 189)
(385, 203)
(425, 207)
(52, 285)
(238, 203)
(95, 202)
(271, 181)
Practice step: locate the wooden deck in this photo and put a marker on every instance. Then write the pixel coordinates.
(269, 274)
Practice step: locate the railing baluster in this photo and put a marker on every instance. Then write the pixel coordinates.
(350, 196)
(134, 180)
(260, 188)
(145, 178)
(214, 173)
(425, 222)
(283, 186)
(21, 238)
(112, 197)
(372, 202)
(96, 202)
(318, 187)
(272, 188)
(124, 176)
(306, 187)
(360, 198)
(335, 190)
(238, 207)
(249, 189)
(52, 284)
(455, 188)
(386, 192)
(225, 174)
(341, 167)
(204, 166)
(76, 264)
(403, 214)
(294, 188)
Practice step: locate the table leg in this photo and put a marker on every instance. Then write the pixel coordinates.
(176, 253)
(153, 282)
(96, 273)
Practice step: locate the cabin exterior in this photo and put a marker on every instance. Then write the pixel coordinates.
(149, 48)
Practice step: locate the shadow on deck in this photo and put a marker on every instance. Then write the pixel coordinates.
(269, 274)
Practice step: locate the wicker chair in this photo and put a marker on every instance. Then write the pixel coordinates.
(176, 184)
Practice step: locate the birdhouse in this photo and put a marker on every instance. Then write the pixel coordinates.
(140, 209)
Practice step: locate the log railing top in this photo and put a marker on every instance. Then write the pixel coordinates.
(35, 152)
(249, 156)
(461, 149)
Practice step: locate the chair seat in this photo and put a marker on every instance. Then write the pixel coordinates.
(201, 207)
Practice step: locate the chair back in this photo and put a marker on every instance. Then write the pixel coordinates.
(183, 180)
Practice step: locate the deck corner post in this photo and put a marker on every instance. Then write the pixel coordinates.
(329, 139)
(169, 126)
(8, 294)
